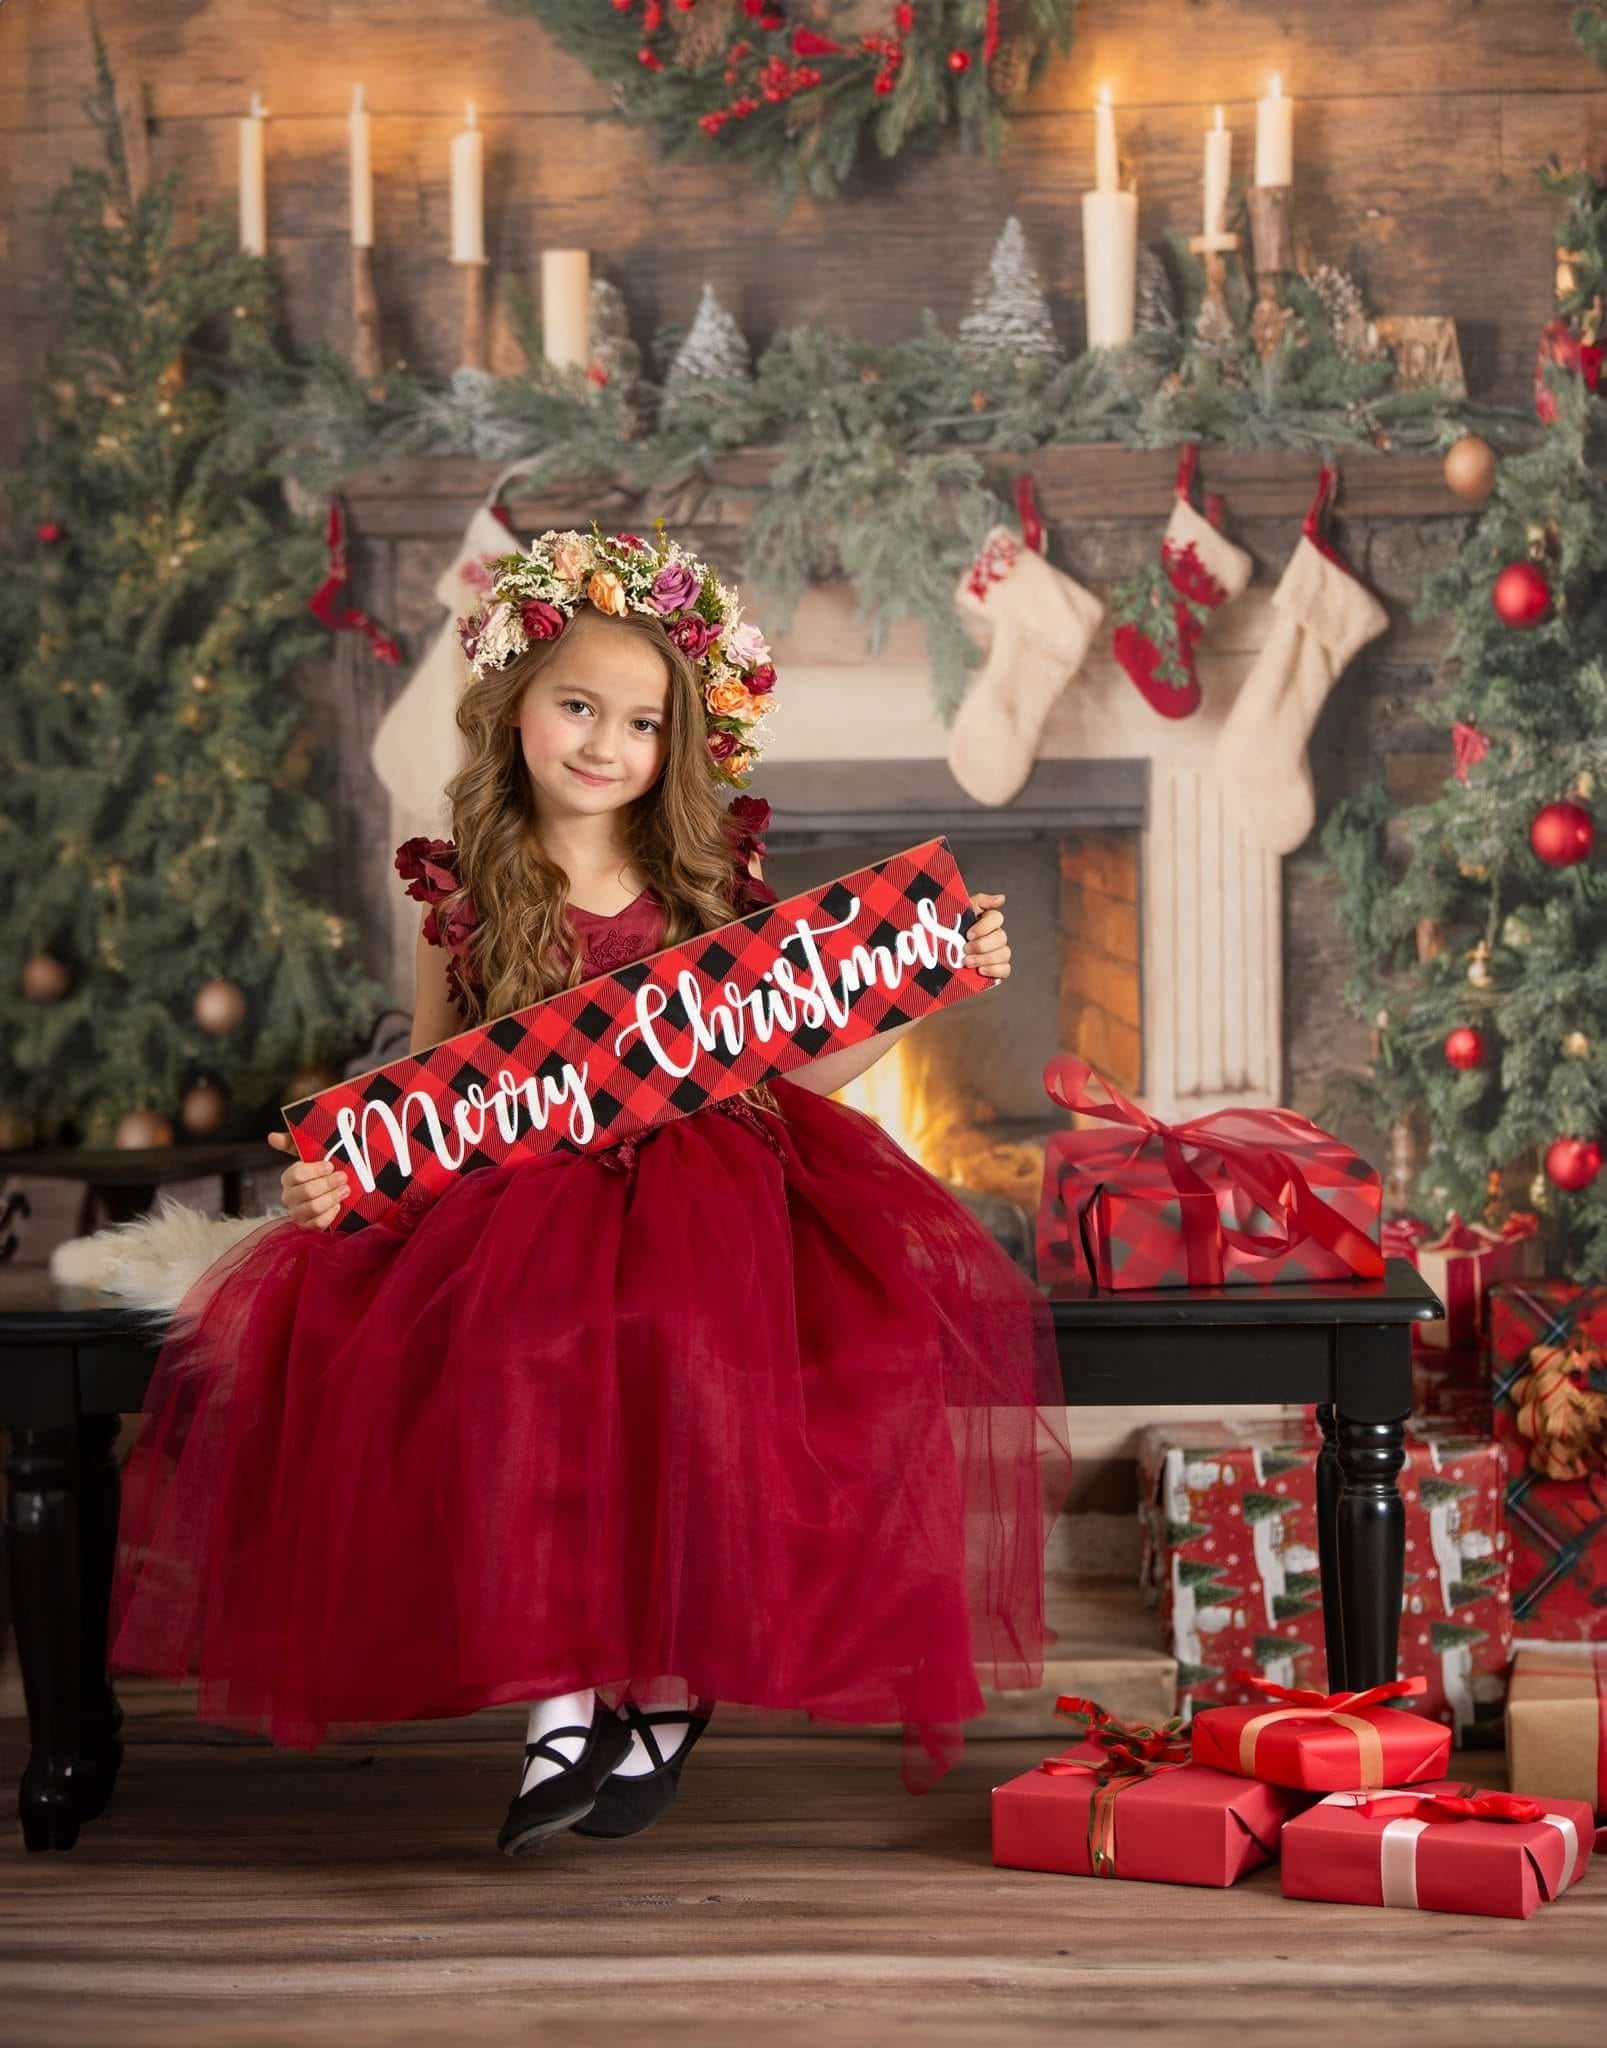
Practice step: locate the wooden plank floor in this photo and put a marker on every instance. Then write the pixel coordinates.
(235, 1896)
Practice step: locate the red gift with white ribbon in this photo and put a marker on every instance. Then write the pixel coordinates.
(1441, 1848)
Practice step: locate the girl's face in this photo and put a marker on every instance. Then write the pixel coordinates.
(592, 724)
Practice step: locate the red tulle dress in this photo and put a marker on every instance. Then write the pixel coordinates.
(750, 1405)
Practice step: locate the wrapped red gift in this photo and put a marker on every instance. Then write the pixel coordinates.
(1242, 1197)
(1127, 1802)
(1463, 1264)
(1228, 1518)
(1444, 1848)
(1323, 1741)
(1548, 1349)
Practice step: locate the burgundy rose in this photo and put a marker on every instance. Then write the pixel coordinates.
(722, 745)
(675, 588)
(763, 679)
(750, 820)
(692, 635)
(629, 540)
(429, 868)
(541, 621)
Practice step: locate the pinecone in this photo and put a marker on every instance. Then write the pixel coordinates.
(1156, 302)
(702, 32)
(1011, 65)
(1340, 295)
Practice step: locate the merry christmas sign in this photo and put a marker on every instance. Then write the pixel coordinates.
(654, 1040)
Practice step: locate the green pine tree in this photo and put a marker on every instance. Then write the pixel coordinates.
(1451, 1635)
(1258, 1507)
(1268, 1649)
(1459, 873)
(165, 827)
(1286, 1607)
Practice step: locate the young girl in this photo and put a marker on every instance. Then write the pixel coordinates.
(746, 1408)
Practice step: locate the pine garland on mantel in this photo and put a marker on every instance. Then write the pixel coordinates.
(881, 448)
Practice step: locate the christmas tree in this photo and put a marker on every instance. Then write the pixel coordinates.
(164, 836)
(712, 358)
(1009, 314)
(1480, 919)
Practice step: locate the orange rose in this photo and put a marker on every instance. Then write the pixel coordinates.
(728, 700)
(607, 592)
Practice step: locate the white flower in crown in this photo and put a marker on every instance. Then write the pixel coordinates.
(533, 596)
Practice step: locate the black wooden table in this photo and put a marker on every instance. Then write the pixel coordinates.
(71, 1364)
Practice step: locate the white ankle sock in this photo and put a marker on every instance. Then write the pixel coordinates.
(569, 1710)
(669, 1735)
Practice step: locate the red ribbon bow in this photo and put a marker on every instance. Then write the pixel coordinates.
(1271, 1178)
(1521, 1223)
(1133, 1751)
(1401, 1236)
(1331, 1702)
(1508, 1807)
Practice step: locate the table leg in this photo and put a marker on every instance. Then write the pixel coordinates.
(42, 1530)
(1330, 1484)
(99, 1491)
(1373, 1399)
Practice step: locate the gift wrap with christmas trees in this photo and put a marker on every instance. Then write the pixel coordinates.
(1229, 1523)
(1548, 1353)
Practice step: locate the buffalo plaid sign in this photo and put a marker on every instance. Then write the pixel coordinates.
(655, 1040)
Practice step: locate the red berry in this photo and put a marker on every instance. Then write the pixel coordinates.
(904, 15)
(882, 83)
(647, 57)
(47, 530)
(959, 60)
(1465, 1049)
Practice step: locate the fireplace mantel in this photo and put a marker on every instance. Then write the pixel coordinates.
(1212, 917)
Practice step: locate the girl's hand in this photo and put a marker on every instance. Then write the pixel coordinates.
(987, 945)
(313, 1189)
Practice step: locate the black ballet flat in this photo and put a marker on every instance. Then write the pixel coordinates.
(559, 1801)
(625, 1806)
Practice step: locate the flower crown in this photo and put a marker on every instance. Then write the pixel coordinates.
(532, 597)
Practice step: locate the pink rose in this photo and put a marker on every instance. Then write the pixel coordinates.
(675, 588)
(747, 647)
(541, 621)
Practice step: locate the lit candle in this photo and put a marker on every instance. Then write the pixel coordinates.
(362, 201)
(1274, 137)
(566, 307)
(1218, 175)
(468, 167)
(1110, 265)
(1104, 143)
(253, 182)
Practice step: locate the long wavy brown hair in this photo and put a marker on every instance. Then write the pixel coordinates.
(525, 946)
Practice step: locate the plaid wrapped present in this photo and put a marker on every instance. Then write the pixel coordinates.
(1548, 1347)
(692, 1024)
(1228, 1516)
(1242, 1197)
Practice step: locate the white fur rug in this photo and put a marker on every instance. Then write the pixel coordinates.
(152, 1262)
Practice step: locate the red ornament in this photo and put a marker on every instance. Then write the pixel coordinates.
(1465, 1049)
(959, 61)
(1562, 833)
(48, 531)
(1559, 344)
(1522, 594)
(1573, 1163)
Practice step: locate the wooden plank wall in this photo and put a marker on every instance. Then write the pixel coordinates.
(1419, 124)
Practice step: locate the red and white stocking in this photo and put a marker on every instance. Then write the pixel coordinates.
(1042, 625)
(1161, 612)
(1323, 616)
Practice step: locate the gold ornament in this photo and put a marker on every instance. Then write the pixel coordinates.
(335, 930)
(45, 979)
(142, 1130)
(979, 400)
(220, 1006)
(1470, 468)
(1576, 1045)
(1479, 966)
(1540, 1195)
(202, 1109)
(1473, 871)
(191, 717)
(1584, 785)
(16, 1130)
(307, 1081)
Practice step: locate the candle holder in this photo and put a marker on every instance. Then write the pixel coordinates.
(1212, 320)
(366, 360)
(471, 356)
(1273, 235)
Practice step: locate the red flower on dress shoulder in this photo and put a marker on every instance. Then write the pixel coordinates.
(430, 869)
(750, 820)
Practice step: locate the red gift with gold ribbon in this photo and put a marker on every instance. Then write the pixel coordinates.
(1441, 1848)
(1127, 1802)
(1462, 1264)
(1323, 1741)
(1243, 1197)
